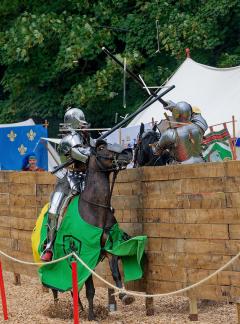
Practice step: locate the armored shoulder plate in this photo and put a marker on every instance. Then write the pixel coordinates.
(198, 120)
(70, 141)
(168, 138)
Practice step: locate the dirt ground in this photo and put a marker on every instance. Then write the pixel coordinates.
(28, 304)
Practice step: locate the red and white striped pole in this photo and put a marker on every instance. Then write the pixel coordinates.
(3, 295)
(75, 293)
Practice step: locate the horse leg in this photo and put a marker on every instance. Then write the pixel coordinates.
(113, 262)
(79, 301)
(55, 296)
(90, 292)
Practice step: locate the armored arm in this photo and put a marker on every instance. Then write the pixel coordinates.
(72, 146)
(80, 153)
(198, 120)
(170, 105)
(167, 139)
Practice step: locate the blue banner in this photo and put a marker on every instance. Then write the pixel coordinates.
(237, 142)
(17, 142)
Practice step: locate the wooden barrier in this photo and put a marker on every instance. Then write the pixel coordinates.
(191, 214)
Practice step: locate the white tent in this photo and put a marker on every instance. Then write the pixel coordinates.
(28, 122)
(216, 91)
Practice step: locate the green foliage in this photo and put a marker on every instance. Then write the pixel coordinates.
(51, 57)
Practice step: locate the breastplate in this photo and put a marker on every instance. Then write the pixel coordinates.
(188, 142)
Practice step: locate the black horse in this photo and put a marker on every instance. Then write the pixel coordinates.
(143, 152)
(95, 207)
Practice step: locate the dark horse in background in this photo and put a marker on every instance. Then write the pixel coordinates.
(95, 207)
(143, 152)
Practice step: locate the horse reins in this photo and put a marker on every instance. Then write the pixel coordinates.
(110, 196)
(115, 172)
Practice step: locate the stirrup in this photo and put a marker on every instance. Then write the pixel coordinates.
(46, 256)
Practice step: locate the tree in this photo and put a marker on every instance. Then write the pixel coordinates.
(51, 57)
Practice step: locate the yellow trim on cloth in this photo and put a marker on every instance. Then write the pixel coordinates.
(36, 235)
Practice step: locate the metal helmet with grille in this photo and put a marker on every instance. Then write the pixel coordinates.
(182, 112)
(75, 118)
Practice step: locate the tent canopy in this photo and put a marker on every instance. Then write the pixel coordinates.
(216, 91)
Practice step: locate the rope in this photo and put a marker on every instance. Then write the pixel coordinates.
(35, 263)
(139, 294)
(123, 290)
(97, 275)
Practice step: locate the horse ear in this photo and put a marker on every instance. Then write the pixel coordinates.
(100, 142)
(141, 129)
(154, 127)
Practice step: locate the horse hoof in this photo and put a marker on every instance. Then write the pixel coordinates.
(91, 317)
(127, 300)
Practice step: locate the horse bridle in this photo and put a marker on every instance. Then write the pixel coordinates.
(116, 167)
(115, 170)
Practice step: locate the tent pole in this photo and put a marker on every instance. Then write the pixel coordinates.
(187, 51)
(234, 138)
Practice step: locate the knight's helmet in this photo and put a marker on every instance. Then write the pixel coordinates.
(75, 118)
(182, 112)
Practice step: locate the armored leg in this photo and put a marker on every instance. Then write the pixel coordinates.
(53, 213)
(57, 201)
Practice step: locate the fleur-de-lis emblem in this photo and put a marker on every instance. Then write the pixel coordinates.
(31, 135)
(22, 149)
(12, 136)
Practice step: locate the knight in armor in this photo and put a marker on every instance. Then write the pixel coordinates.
(196, 117)
(74, 145)
(184, 137)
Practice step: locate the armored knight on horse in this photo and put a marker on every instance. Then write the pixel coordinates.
(184, 137)
(75, 145)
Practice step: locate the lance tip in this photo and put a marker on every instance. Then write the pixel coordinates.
(103, 48)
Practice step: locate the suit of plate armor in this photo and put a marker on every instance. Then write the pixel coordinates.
(183, 139)
(196, 117)
(69, 182)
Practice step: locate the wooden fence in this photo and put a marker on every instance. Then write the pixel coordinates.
(190, 213)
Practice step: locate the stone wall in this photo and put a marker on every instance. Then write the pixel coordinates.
(191, 214)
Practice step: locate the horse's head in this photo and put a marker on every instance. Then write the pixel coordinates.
(112, 157)
(143, 151)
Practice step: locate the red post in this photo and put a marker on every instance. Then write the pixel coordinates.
(3, 295)
(75, 293)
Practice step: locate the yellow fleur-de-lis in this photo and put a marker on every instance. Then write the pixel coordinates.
(22, 149)
(12, 136)
(31, 135)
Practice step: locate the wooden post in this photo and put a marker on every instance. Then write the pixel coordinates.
(193, 311)
(46, 123)
(238, 312)
(153, 122)
(120, 135)
(231, 144)
(112, 305)
(149, 302)
(17, 279)
(234, 139)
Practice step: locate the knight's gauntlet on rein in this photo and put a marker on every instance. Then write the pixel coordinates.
(156, 148)
(80, 154)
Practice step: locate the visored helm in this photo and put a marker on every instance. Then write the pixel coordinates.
(75, 118)
(182, 112)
